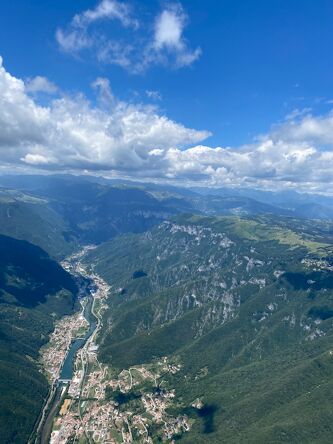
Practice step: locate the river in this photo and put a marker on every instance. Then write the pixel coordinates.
(68, 365)
(86, 288)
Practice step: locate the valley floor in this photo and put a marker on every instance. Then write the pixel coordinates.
(99, 404)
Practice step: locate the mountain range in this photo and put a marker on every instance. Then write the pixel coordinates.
(69, 210)
(234, 285)
(244, 306)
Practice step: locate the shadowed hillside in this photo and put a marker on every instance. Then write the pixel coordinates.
(34, 292)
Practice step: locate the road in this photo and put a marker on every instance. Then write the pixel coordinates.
(59, 388)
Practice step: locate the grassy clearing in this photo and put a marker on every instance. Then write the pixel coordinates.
(263, 229)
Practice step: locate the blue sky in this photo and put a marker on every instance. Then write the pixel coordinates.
(228, 71)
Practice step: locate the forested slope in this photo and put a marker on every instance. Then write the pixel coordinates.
(34, 292)
(246, 306)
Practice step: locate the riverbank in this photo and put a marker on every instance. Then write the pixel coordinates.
(71, 335)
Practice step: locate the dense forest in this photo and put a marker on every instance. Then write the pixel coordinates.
(34, 292)
(245, 306)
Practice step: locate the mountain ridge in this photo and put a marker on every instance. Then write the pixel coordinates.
(225, 302)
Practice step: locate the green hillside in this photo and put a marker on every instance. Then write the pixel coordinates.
(34, 292)
(57, 213)
(246, 306)
(27, 217)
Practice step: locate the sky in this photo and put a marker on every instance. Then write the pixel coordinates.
(213, 93)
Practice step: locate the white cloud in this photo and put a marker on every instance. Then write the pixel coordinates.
(137, 141)
(73, 40)
(296, 113)
(72, 134)
(103, 87)
(297, 154)
(137, 47)
(154, 95)
(77, 37)
(156, 152)
(168, 35)
(106, 10)
(37, 159)
(186, 58)
(40, 84)
(116, 53)
(315, 129)
(169, 29)
(274, 162)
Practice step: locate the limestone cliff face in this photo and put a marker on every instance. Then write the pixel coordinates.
(244, 305)
(202, 272)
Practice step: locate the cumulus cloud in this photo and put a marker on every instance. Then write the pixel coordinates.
(137, 47)
(40, 84)
(313, 129)
(278, 160)
(70, 133)
(137, 141)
